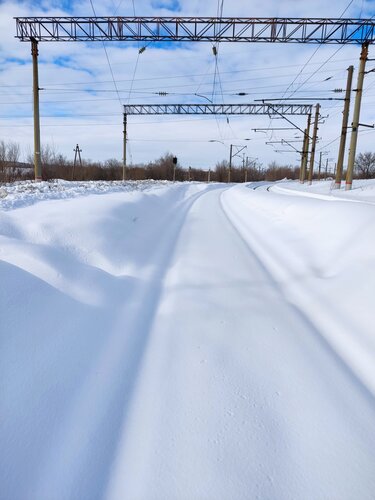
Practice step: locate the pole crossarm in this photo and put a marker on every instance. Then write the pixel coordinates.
(196, 29)
(217, 109)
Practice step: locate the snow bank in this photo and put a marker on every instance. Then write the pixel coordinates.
(319, 246)
(25, 193)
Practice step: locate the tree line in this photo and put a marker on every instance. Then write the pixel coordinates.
(57, 166)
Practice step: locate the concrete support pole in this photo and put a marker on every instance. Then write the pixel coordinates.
(302, 155)
(306, 149)
(209, 175)
(313, 143)
(320, 165)
(357, 111)
(344, 128)
(37, 162)
(124, 146)
(230, 162)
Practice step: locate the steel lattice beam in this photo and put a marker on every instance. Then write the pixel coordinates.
(196, 29)
(218, 109)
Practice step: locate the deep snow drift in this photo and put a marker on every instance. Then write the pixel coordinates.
(187, 341)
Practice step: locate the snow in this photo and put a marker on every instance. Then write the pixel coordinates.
(187, 341)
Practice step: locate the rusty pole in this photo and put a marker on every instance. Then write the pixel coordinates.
(357, 111)
(306, 149)
(313, 143)
(344, 128)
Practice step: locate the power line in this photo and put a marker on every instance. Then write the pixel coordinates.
(130, 91)
(151, 95)
(169, 77)
(176, 86)
(108, 61)
(310, 58)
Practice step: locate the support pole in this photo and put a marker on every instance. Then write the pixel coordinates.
(302, 155)
(77, 154)
(357, 111)
(230, 162)
(344, 128)
(313, 143)
(209, 175)
(124, 152)
(320, 165)
(306, 149)
(37, 162)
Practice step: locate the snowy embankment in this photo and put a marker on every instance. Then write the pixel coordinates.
(186, 341)
(322, 256)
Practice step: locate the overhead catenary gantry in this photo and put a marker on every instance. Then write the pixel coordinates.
(217, 109)
(196, 29)
(214, 109)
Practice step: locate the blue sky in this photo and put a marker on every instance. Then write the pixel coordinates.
(80, 102)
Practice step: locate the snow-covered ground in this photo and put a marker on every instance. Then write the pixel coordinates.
(187, 341)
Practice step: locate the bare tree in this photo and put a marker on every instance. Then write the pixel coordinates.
(9, 158)
(13, 152)
(221, 171)
(365, 165)
(3, 159)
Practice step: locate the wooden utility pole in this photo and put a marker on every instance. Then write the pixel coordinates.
(37, 160)
(313, 143)
(344, 129)
(357, 111)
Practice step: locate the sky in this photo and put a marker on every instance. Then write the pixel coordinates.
(80, 104)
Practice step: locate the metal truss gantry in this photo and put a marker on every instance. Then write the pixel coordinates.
(218, 109)
(196, 29)
(281, 110)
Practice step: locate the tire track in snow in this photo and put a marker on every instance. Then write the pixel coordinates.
(99, 411)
